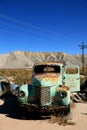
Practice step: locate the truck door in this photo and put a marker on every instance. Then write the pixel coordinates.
(72, 78)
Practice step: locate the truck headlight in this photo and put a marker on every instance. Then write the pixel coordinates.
(21, 94)
(63, 94)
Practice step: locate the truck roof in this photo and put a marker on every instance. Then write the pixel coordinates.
(48, 63)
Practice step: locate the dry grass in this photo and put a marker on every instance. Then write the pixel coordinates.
(19, 75)
(62, 119)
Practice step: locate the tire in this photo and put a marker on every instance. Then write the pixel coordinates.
(67, 110)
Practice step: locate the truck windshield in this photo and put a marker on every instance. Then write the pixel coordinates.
(47, 69)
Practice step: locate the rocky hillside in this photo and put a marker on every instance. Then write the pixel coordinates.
(19, 59)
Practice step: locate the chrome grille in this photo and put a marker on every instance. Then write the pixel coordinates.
(43, 95)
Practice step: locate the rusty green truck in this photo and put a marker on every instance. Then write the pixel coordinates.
(50, 89)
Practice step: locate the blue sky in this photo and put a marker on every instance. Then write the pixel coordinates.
(43, 25)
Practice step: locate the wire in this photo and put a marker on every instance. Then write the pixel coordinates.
(53, 34)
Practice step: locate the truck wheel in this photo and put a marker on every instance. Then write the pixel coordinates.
(67, 110)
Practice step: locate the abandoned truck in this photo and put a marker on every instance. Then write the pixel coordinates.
(5, 86)
(51, 87)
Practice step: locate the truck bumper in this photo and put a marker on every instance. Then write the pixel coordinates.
(45, 109)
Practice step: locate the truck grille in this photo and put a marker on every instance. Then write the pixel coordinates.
(43, 95)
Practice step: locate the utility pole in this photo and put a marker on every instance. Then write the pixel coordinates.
(83, 46)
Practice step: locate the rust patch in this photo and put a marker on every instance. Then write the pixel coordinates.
(49, 77)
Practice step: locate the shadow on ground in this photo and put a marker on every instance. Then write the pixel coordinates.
(10, 109)
(84, 113)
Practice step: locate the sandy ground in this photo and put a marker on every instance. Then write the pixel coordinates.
(9, 119)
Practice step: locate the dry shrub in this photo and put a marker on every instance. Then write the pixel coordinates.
(62, 119)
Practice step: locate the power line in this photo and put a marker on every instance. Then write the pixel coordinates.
(38, 28)
(83, 46)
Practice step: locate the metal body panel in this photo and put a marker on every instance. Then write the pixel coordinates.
(72, 79)
(5, 86)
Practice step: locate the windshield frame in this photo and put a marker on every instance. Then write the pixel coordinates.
(39, 69)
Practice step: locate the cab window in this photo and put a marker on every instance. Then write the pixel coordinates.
(72, 70)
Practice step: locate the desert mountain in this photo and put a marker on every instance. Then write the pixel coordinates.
(19, 59)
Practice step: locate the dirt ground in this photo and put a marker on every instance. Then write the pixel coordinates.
(9, 119)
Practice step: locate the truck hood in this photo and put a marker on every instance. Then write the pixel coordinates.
(48, 79)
